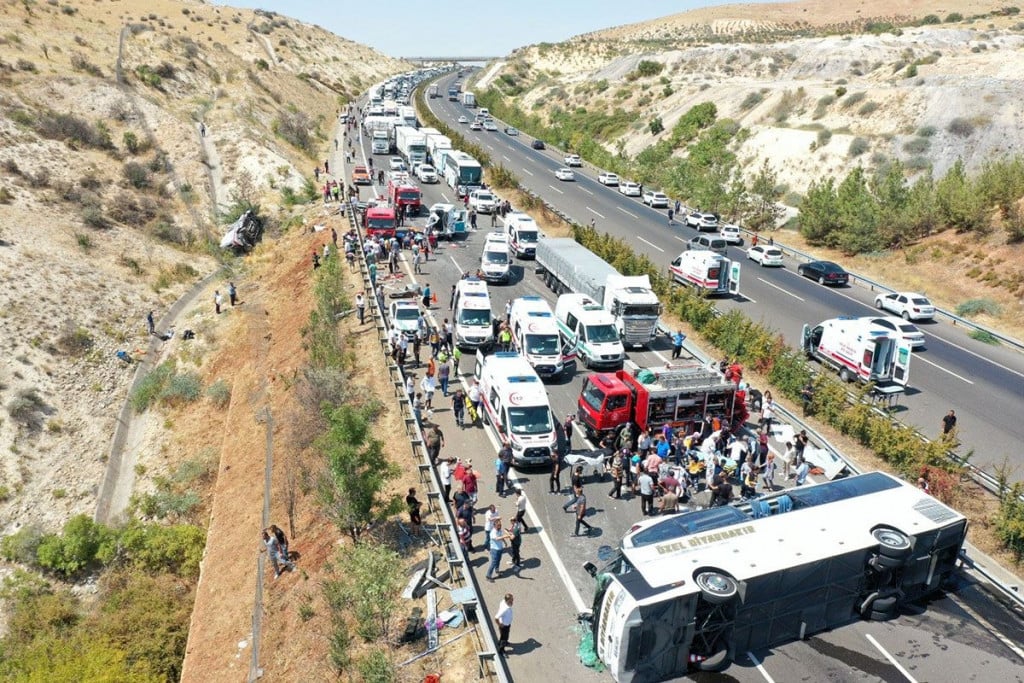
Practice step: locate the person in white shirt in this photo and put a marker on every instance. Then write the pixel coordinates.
(427, 385)
(444, 473)
(410, 385)
(503, 618)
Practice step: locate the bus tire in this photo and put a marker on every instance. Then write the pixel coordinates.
(716, 588)
(885, 604)
(892, 544)
(719, 661)
(882, 563)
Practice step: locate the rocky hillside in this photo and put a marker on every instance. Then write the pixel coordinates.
(110, 197)
(820, 87)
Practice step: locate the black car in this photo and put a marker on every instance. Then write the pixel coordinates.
(825, 272)
(538, 144)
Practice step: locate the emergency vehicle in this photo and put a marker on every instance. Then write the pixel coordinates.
(709, 272)
(589, 330)
(472, 314)
(649, 398)
(522, 234)
(859, 349)
(535, 335)
(402, 192)
(379, 221)
(515, 402)
(495, 259)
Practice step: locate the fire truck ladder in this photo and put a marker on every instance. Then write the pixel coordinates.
(688, 377)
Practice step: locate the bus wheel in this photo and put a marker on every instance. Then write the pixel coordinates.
(884, 609)
(716, 588)
(719, 661)
(892, 544)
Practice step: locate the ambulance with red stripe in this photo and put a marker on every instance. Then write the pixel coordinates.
(709, 272)
(859, 349)
(535, 335)
(514, 402)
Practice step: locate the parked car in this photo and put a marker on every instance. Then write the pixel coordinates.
(509, 130)
(655, 200)
(537, 144)
(731, 233)
(404, 315)
(907, 331)
(396, 163)
(573, 160)
(609, 179)
(702, 220)
(565, 174)
(476, 125)
(629, 188)
(490, 125)
(426, 173)
(483, 201)
(765, 255)
(825, 272)
(360, 176)
(908, 305)
(463, 119)
(707, 243)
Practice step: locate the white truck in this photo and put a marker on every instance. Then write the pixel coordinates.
(408, 115)
(411, 144)
(535, 335)
(568, 266)
(589, 331)
(515, 402)
(432, 91)
(468, 99)
(710, 272)
(436, 143)
(859, 349)
(380, 143)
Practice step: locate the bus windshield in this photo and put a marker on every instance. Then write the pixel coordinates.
(475, 317)
(602, 334)
(530, 420)
(542, 344)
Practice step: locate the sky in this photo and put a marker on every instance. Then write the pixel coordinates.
(485, 28)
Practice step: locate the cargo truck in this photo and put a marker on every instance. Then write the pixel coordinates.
(380, 143)
(453, 93)
(436, 144)
(432, 91)
(411, 144)
(468, 99)
(568, 266)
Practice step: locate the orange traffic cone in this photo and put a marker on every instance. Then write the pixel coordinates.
(433, 298)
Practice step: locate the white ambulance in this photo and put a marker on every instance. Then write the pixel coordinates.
(590, 331)
(472, 314)
(495, 261)
(535, 335)
(515, 402)
(859, 349)
(707, 271)
(523, 234)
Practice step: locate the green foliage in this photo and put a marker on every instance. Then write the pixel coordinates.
(984, 336)
(953, 17)
(751, 100)
(296, 128)
(656, 126)
(367, 580)
(911, 71)
(155, 548)
(761, 208)
(352, 491)
(182, 388)
(376, 667)
(824, 136)
(502, 177)
(1009, 521)
(858, 146)
(918, 145)
(151, 386)
(26, 409)
(322, 335)
(21, 546)
(930, 19)
(82, 543)
(219, 393)
(868, 108)
(73, 130)
(645, 69)
(975, 307)
(957, 202)
(136, 174)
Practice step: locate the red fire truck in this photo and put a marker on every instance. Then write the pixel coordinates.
(401, 192)
(676, 394)
(379, 221)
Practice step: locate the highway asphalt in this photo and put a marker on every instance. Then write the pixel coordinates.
(982, 383)
(943, 643)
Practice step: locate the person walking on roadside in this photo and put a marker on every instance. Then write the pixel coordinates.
(503, 619)
(496, 548)
(232, 294)
(554, 479)
(150, 323)
(948, 423)
(273, 549)
(282, 541)
(581, 511)
(361, 307)
(217, 301)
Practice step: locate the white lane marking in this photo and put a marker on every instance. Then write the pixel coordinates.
(681, 239)
(490, 148)
(556, 189)
(456, 263)
(947, 371)
(772, 284)
(594, 212)
(760, 667)
(505, 158)
(445, 198)
(527, 172)
(628, 213)
(650, 244)
(587, 191)
(892, 660)
(992, 629)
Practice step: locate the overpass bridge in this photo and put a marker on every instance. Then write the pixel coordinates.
(421, 60)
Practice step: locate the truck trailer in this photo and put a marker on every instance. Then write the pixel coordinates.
(568, 266)
(411, 144)
(468, 99)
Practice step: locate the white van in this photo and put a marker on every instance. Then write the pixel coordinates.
(515, 402)
(523, 234)
(472, 314)
(535, 334)
(590, 330)
(495, 259)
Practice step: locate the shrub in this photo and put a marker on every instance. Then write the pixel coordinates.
(27, 409)
(1009, 521)
(26, 65)
(81, 544)
(131, 142)
(75, 340)
(824, 135)
(973, 307)
(262, 64)
(916, 145)
(21, 546)
(219, 393)
(647, 68)
(94, 218)
(377, 666)
(6, 196)
(71, 129)
(751, 100)
(926, 131)
(911, 71)
(79, 62)
(151, 386)
(136, 174)
(868, 108)
(954, 17)
(132, 209)
(930, 19)
(840, 91)
(295, 128)
(853, 99)
(656, 126)
(858, 146)
(961, 127)
(182, 388)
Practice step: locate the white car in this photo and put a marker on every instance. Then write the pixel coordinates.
(731, 233)
(765, 255)
(404, 315)
(629, 188)
(573, 160)
(903, 329)
(609, 179)
(565, 174)
(396, 164)
(655, 200)
(490, 125)
(476, 125)
(909, 305)
(511, 131)
(702, 221)
(463, 119)
(482, 201)
(426, 173)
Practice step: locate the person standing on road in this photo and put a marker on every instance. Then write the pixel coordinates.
(459, 408)
(616, 491)
(443, 375)
(515, 541)
(497, 548)
(646, 485)
(503, 619)
(677, 344)
(521, 509)
(948, 423)
(500, 474)
(581, 511)
(444, 473)
(554, 479)
(671, 215)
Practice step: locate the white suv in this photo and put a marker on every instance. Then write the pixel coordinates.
(629, 188)
(426, 173)
(483, 201)
(655, 200)
(608, 179)
(573, 160)
(702, 221)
